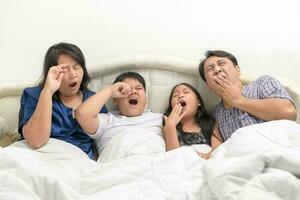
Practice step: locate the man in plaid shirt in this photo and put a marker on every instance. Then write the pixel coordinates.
(241, 105)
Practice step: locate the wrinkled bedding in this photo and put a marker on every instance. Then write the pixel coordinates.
(258, 162)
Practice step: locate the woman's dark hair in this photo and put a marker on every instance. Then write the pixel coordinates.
(131, 75)
(204, 120)
(51, 59)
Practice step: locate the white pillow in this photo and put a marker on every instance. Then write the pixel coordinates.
(3, 126)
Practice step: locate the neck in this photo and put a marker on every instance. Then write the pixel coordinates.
(67, 98)
(72, 101)
(189, 125)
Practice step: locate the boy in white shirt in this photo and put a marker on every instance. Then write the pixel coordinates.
(129, 93)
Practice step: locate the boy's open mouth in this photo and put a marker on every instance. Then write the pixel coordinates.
(133, 101)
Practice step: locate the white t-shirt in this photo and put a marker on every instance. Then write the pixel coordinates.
(112, 124)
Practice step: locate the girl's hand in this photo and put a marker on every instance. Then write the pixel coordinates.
(54, 77)
(175, 116)
(120, 90)
(205, 156)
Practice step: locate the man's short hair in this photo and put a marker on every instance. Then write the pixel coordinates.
(218, 53)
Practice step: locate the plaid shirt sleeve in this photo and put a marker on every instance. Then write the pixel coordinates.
(272, 88)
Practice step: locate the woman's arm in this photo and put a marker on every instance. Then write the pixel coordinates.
(38, 128)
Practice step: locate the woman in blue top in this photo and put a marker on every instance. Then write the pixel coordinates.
(48, 109)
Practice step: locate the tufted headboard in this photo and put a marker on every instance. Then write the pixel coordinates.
(160, 72)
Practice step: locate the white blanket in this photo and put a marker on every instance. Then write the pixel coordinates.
(258, 162)
(261, 161)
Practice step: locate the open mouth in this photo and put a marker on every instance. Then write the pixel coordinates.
(182, 103)
(133, 101)
(72, 85)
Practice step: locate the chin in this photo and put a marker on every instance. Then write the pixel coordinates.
(135, 114)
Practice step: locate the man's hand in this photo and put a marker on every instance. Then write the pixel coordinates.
(231, 94)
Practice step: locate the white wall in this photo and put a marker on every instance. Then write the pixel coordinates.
(264, 35)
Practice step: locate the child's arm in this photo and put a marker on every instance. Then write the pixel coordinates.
(87, 113)
(216, 140)
(169, 130)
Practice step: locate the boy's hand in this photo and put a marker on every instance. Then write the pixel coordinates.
(121, 90)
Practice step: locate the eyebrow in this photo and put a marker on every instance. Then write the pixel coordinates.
(220, 60)
(73, 65)
(138, 85)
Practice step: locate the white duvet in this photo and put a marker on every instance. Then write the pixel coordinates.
(259, 162)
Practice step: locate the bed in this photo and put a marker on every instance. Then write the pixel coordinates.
(253, 164)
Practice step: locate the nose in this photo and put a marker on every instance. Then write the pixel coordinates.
(217, 70)
(133, 90)
(72, 72)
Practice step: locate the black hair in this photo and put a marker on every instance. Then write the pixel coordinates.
(203, 119)
(131, 75)
(218, 53)
(51, 59)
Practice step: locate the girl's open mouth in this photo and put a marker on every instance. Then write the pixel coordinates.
(182, 103)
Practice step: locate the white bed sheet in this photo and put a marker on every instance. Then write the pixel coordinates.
(258, 162)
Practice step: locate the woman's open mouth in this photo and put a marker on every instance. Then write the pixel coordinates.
(73, 85)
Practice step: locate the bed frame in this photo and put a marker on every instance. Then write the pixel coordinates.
(160, 72)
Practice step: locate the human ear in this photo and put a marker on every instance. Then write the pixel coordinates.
(199, 104)
(238, 69)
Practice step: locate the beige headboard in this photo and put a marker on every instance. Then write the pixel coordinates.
(160, 72)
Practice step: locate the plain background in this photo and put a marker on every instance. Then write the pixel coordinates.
(263, 35)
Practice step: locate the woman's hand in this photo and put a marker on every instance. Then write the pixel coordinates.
(175, 116)
(54, 77)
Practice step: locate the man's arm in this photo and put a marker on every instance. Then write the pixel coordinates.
(266, 109)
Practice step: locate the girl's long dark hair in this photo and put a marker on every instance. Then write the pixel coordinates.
(204, 120)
